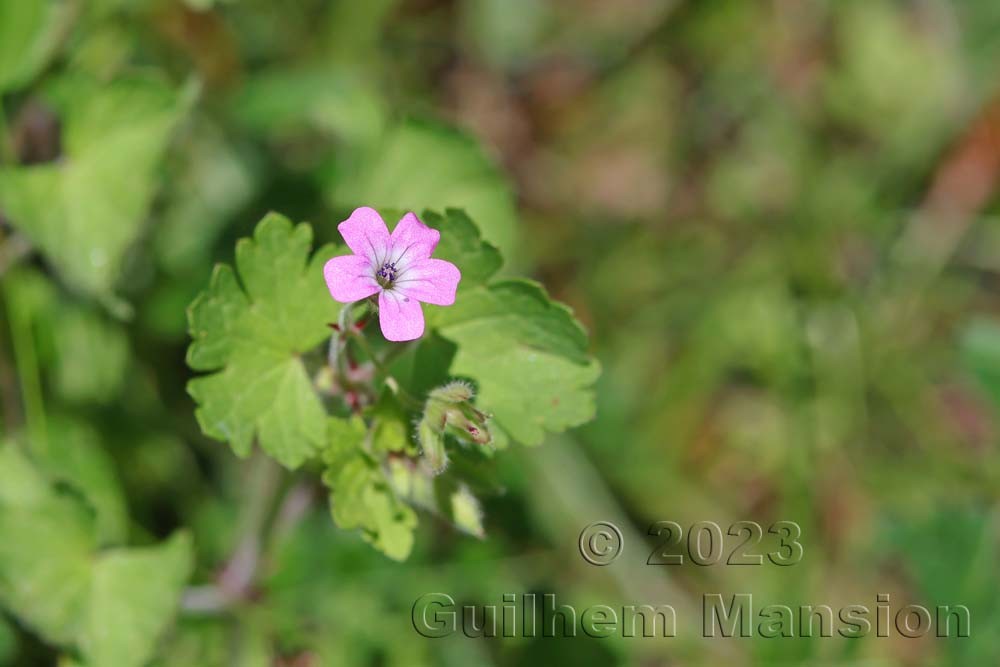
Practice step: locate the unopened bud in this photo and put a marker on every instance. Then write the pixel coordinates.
(466, 512)
(432, 442)
(468, 423)
(448, 411)
(453, 392)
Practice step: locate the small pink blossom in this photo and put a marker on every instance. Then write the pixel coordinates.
(398, 267)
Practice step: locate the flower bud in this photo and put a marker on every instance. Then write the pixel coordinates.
(466, 512)
(448, 410)
(453, 392)
(467, 423)
(432, 443)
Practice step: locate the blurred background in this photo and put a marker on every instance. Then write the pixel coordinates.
(776, 218)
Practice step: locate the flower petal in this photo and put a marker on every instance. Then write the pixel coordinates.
(350, 278)
(366, 234)
(431, 281)
(400, 316)
(412, 240)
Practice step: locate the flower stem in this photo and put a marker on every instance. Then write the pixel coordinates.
(339, 358)
(381, 366)
(234, 584)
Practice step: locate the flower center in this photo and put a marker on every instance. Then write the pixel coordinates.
(386, 275)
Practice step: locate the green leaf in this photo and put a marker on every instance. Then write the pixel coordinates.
(344, 438)
(112, 604)
(85, 210)
(212, 180)
(84, 350)
(133, 598)
(92, 353)
(331, 99)
(8, 642)
(394, 173)
(361, 496)
(254, 335)
(526, 352)
(520, 310)
(528, 391)
(73, 456)
(46, 542)
(544, 324)
(426, 366)
(439, 494)
(21, 485)
(26, 38)
(390, 424)
(462, 245)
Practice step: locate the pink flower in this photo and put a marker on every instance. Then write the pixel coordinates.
(397, 267)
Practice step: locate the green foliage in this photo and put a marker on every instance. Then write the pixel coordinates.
(361, 496)
(332, 100)
(776, 220)
(253, 336)
(257, 337)
(85, 210)
(86, 351)
(113, 605)
(8, 642)
(391, 173)
(213, 179)
(529, 391)
(49, 594)
(93, 354)
(72, 455)
(462, 245)
(26, 39)
(526, 353)
(440, 495)
(138, 590)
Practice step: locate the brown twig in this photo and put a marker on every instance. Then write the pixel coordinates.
(962, 186)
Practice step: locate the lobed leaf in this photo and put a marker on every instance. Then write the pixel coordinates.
(361, 496)
(253, 338)
(462, 245)
(526, 352)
